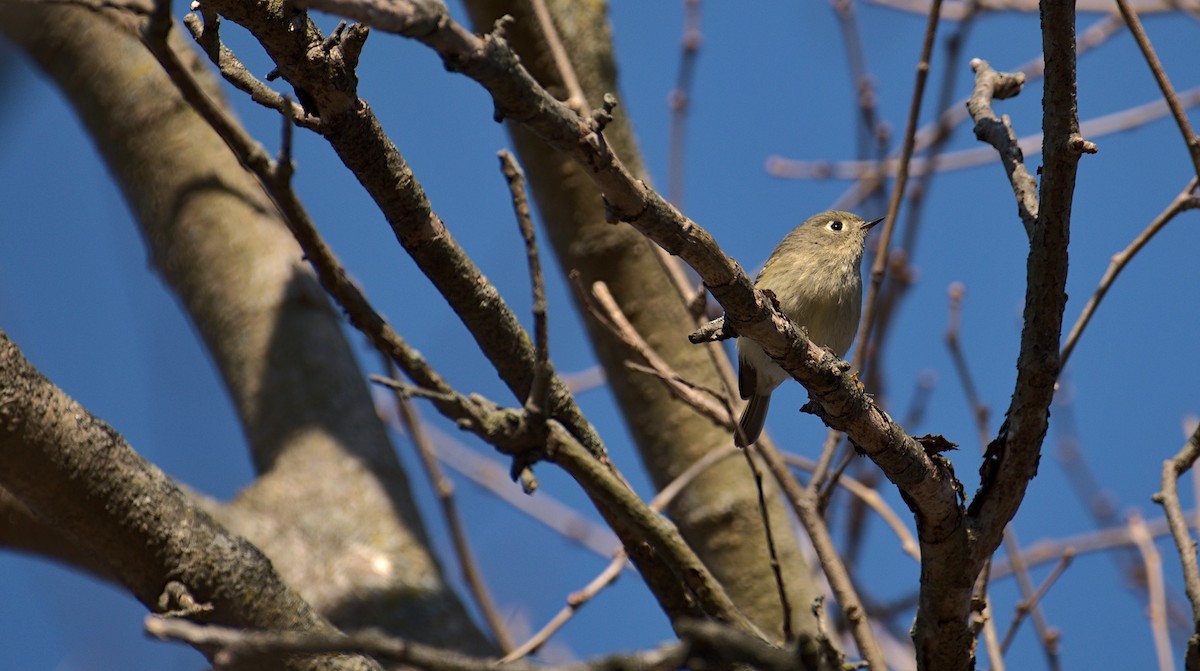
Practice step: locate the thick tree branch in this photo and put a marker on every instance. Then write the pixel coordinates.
(1011, 459)
(77, 473)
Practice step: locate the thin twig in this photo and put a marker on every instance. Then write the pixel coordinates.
(236, 73)
(1168, 498)
(872, 499)
(872, 135)
(979, 411)
(804, 503)
(956, 113)
(577, 600)
(773, 555)
(604, 308)
(879, 267)
(239, 645)
(516, 185)
(1164, 84)
(1103, 540)
(537, 403)
(585, 380)
(1030, 601)
(678, 101)
(576, 99)
(1127, 119)
(444, 491)
(998, 132)
(1029, 606)
(1157, 608)
(956, 10)
(1186, 200)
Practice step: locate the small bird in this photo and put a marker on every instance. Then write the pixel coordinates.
(815, 274)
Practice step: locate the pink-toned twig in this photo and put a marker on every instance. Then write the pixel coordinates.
(956, 10)
(1029, 606)
(955, 113)
(879, 267)
(1030, 145)
(678, 101)
(1157, 608)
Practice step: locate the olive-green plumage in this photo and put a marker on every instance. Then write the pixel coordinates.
(815, 273)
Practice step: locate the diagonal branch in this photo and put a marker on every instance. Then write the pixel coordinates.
(1164, 83)
(1186, 200)
(76, 472)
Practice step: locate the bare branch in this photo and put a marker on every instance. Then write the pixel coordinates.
(879, 267)
(956, 10)
(998, 132)
(705, 401)
(444, 490)
(1186, 200)
(1164, 83)
(234, 72)
(576, 99)
(1030, 145)
(1168, 498)
(577, 600)
(872, 499)
(1157, 607)
(347, 123)
(1049, 637)
(804, 503)
(678, 101)
(247, 647)
(1011, 459)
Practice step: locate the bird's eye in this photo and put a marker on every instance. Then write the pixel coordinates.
(835, 225)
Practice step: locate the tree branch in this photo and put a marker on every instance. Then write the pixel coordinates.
(76, 472)
(1168, 498)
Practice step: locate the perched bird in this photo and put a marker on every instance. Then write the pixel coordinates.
(815, 274)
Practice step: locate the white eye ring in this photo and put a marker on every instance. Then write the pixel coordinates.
(836, 226)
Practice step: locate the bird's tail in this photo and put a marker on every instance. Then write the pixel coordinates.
(753, 417)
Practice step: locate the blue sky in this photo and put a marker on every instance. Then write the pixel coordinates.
(77, 295)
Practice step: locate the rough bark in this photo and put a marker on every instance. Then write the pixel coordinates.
(78, 475)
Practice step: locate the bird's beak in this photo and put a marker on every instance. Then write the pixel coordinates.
(867, 226)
